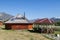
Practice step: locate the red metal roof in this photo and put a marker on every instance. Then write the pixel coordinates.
(44, 20)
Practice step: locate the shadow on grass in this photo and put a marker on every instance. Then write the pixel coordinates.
(3, 28)
(34, 31)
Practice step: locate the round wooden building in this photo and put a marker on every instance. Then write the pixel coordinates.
(18, 22)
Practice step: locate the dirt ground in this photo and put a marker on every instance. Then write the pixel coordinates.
(20, 35)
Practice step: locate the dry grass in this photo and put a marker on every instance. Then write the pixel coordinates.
(20, 35)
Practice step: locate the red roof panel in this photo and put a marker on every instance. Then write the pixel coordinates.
(44, 20)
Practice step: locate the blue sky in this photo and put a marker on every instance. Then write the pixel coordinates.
(32, 8)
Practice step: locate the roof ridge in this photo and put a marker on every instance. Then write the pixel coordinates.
(42, 20)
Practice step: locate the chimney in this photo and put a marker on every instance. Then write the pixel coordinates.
(24, 15)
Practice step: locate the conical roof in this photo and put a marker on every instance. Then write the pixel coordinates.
(18, 19)
(19, 16)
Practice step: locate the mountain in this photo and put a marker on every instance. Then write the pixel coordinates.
(55, 19)
(33, 20)
(4, 16)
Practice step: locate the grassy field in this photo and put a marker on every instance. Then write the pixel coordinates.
(20, 35)
(57, 32)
